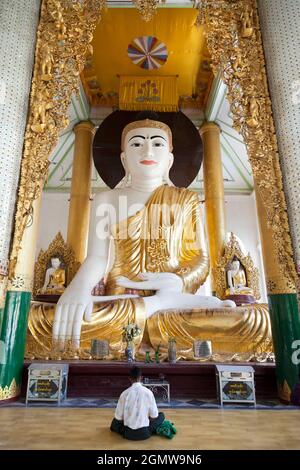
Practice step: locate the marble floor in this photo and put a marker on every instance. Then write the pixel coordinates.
(85, 402)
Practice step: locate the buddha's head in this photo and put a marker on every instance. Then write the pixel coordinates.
(55, 263)
(147, 150)
(235, 264)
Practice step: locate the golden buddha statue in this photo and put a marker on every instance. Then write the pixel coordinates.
(155, 245)
(55, 279)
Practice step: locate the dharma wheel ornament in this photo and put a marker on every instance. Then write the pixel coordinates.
(147, 52)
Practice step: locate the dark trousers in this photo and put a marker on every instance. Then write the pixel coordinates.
(137, 434)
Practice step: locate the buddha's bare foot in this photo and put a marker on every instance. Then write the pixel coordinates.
(228, 303)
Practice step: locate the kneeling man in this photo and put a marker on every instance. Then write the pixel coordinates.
(136, 416)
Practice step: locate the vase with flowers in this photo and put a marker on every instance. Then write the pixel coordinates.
(130, 332)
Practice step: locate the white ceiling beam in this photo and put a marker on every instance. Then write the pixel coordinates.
(215, 100)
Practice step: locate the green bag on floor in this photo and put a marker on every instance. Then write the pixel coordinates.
(166, 429)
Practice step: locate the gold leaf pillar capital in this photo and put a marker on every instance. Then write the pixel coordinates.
(214, 194)
(209, 127)
(85, 126)
(79, 210)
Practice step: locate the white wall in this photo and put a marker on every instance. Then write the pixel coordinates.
(54, 218)
(241, 219)
(281, 40)
(18, 25)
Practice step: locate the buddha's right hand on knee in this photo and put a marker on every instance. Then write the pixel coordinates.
(73, 305)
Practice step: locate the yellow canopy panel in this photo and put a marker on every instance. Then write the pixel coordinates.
(169, 45)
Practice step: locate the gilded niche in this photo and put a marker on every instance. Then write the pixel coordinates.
(235, 272)
(54, 269)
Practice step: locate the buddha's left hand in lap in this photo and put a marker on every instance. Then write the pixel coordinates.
(168, 295)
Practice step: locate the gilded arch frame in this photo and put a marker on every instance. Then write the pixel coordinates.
(234, 40)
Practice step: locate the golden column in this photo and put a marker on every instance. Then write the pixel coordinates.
(283, 306)
(214, 193)
(272, 271)
(79, 211)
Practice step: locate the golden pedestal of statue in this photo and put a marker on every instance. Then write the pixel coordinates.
(248, 332)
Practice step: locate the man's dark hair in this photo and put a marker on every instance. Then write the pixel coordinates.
(135, 373)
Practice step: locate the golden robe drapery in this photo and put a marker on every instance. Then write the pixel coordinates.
(165, 236)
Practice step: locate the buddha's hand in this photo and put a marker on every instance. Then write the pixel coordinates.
(160, 282)
(75, 303)
(149, 281)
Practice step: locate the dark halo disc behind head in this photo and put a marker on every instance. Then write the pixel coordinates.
(187, 146)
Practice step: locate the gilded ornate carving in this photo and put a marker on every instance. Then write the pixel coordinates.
(234, 41)
(253, 121)
(47, 61)
(247, 22)
(147, 8)
(41, 105)
(11, 391)
(232, 249)
(263, 350)
(238, 64)
(56, 12)
(57, 248)
(63, 40)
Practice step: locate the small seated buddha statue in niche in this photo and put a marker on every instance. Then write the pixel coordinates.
(237, 282)
(55, 279)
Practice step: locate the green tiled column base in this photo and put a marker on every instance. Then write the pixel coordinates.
(12, 343)
(1, 316)
(285, 321)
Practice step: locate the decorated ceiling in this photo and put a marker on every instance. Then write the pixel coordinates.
(237, 173)
(168, 45)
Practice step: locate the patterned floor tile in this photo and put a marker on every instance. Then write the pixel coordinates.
(85, 402)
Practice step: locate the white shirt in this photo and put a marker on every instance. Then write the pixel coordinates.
(136, 404)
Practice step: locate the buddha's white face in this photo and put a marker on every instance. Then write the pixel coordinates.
(147, 153)
(235, 265)
(55, 262)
